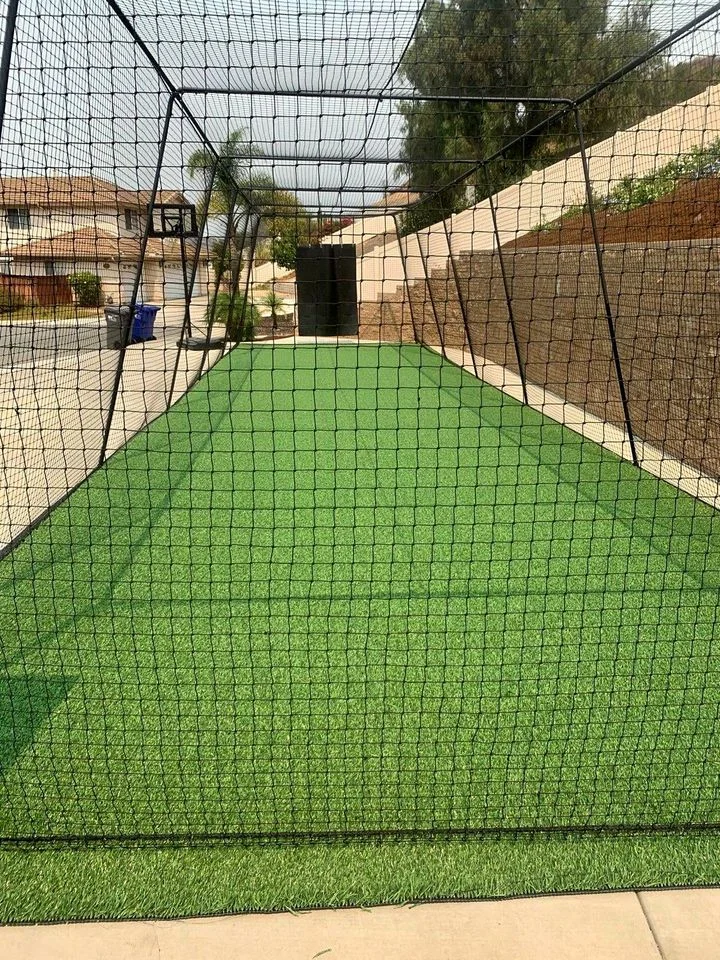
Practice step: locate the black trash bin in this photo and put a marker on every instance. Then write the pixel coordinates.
(118, 322)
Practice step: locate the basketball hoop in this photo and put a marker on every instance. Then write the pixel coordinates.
(173, 220)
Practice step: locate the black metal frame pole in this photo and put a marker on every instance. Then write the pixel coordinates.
(506, 288)
(400, 95)
(187, 288)
(458, 290)
(423, 261)
(234, 282)
(136, 283)
(187, 319)
(176, 93)
(604, 290)
(405, 274)
(234, 274)
(6, 59)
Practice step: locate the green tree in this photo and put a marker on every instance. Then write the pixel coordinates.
(87, 288)
(525, 50)
(286, 222)
(234, 193)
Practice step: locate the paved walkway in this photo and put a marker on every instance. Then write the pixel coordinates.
(683, 925)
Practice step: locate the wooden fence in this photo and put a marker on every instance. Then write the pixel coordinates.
(43, 291)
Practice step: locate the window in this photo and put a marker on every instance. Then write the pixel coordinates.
(18, 218)
(132, 220)
(50, 268)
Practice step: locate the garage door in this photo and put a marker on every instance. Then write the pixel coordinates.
(127, 283)
(172, 279)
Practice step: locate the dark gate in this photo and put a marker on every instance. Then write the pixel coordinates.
(327, 291)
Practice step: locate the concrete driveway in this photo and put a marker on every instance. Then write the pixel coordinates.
(56, 382)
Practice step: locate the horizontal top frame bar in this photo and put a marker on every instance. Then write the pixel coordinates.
(359, 191)
(380, 96)
(297, 158)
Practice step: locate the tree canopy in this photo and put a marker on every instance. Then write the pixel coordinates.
(525, 50)
(285, 220)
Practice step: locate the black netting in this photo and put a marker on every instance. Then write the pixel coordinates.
(358, 418)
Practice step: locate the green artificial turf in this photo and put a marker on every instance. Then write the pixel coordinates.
(93, 884)
(342, 589)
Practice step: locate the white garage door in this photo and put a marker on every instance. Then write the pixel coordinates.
(127, 282)
(172, 280)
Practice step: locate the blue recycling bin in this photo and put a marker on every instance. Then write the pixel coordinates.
(144, 321)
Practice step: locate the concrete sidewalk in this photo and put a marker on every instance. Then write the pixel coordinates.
(672, 925)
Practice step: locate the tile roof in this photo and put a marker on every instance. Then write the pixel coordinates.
(76, 191)
(88, 243)
(400, 198)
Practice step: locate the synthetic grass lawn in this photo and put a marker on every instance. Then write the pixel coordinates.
(343, 589)
(90, 884)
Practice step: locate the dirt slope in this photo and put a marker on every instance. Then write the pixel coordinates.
(691, 211)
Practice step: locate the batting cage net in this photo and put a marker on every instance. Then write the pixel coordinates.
(359, 418)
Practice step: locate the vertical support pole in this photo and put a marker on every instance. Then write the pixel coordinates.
(189, 286)
(6, 58)
(461, 298)
(506, 286)
(405, 274)
(137, 282)
(235, 277)
(604, 289)
(423, 261)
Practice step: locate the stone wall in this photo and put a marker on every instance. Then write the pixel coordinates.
(388, 321)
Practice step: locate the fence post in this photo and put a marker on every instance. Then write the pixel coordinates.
(506, 287)
(604, 289)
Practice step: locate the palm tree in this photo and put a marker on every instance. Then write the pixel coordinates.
(225, 173)
(274, 303)
(226, 177)
(234, 195)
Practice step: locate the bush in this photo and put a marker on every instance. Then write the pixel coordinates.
(237, 313)
(10, 300)
(87, 288)
(634, 192)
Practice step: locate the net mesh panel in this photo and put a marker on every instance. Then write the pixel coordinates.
(377, 494)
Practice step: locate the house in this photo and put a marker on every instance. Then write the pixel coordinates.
(58, 225)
